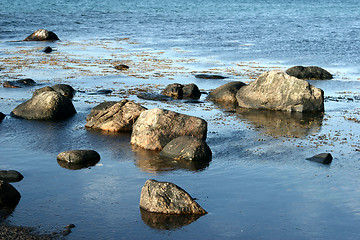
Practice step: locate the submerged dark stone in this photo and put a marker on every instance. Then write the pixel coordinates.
(11, 176)
(9, 196)
(324, 158)
(26, 82)
(2, 116)
(121, 67)
(154, 96)
(47, 50)
(209, 76)
(101, 92)
(65, 90)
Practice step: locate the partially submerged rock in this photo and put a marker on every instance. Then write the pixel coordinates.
(114, 116)
(49, 105)
(79, 156)
(42, 35)
(2, 116)
(26, 82)
(65, 89)
(187, 148)
(179, 91)
(276, 90)
(157, 127)
(47, 50)
(101, 92)
(309, 73)
(121, 67)
(166, 197)
(9, 196)
(10, 176)
(226, 92)
(209, 76)
(324, 158)
(153, 96)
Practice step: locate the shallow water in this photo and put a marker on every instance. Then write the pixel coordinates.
(258, 184)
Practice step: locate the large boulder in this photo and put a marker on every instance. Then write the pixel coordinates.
(276, 90)
(9, 196)
(49, 105)
(42, 35)
(179, 91)
(114, 116)
(166, 197)
(187, 148)
(157, 127)
(11, 176)
(226, 92)
(79, 156)
(313, 73)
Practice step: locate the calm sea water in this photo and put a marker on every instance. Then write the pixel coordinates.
(258, 184)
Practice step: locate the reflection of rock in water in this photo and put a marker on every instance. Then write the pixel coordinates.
(279, 123)
(167, 221)
(74, 166)
(9, 199)
(150, 161)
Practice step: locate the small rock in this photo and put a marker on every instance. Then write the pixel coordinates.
(42, 35)
(2, 116)
(187, 148)
(101, 92)
(79, 156)
(26, 82)
(174, 90)
(153, 96)
(209, 76)
(191, 91)
(226, 92)
(47, 50)
(9, 196)
(324, 158)
(166, 197)
(65, 89)
(121, 67)
(11, 176)
(309, 73)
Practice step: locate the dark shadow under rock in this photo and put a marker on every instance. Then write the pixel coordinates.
(2, 116)
(162, 221)
(75, 166)
(9, 197)
(150, 161)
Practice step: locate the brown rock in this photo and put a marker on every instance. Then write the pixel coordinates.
(276, 90)
(226, 92)
(114, 116)
(166, 197)
(121, 67)
(157, 127)
(42, 35)
(179, 91)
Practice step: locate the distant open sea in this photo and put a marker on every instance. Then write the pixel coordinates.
(300, 32)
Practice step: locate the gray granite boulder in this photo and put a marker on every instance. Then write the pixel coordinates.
(47, 105)
(166, 197)
(42, 35)
(187, 148)
(79, 156)
(309, 73)
(226, 92)
(157, 127)
(114, 116)
(276, 90)
(10, 176)
(9, 196)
